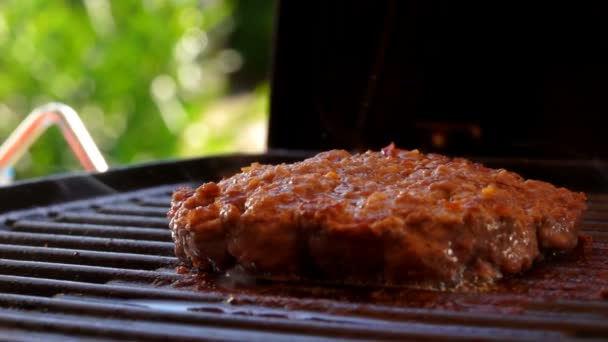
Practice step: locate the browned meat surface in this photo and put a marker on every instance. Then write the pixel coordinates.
(392, 217)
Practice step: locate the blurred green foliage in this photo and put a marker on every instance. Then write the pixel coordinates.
(150, 78)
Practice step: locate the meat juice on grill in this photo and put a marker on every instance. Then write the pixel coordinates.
(390, 217)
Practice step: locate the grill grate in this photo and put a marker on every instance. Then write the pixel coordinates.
(103, 269)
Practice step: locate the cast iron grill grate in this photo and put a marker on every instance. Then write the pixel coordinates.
(104, 269)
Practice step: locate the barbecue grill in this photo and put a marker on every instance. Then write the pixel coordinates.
(90, 257)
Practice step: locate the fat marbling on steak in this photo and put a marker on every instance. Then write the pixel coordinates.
(390, 217)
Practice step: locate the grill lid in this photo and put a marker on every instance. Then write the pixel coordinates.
(103, 268)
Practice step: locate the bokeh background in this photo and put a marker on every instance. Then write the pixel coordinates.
(151, 79)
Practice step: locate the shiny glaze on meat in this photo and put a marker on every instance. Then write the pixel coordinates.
(392, 217)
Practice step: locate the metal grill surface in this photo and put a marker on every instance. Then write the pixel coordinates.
(104, 269)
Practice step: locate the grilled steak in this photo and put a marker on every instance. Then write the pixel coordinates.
(390, 217)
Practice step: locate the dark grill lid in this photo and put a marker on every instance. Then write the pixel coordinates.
(463, 78)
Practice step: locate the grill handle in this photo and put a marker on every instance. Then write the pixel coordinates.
(72, 128)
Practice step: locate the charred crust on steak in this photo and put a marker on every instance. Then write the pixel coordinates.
(391, 217)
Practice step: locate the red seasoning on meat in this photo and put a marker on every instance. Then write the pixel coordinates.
(391, 217)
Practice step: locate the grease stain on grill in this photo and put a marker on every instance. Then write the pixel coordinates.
(558, 277)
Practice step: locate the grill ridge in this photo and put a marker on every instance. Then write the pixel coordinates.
(133, 210)
(84, 257)
(92, 243)
(80, 272)
(94, 230)
(121, 220)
